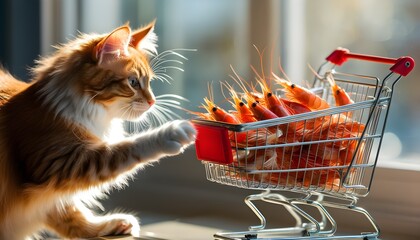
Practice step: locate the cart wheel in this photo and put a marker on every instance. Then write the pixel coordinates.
(250, 236)
(305, 233)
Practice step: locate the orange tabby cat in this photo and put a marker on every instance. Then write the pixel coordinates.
(56, 155)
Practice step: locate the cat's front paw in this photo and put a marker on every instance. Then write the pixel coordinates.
(120, 224)
(176, 136)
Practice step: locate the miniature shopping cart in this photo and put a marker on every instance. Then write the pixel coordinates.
(322, 173)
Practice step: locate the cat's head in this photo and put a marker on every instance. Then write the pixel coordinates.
(122, 58)
(111, 71)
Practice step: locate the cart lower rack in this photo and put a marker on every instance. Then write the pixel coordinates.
(330, 168)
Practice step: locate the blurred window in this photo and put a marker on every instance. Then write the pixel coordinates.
(297, 32)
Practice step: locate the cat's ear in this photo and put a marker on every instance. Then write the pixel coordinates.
(145, 38)
(113, 46)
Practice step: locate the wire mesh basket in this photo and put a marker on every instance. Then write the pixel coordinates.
(337, 160)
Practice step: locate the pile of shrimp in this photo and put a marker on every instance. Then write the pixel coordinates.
(299, 146)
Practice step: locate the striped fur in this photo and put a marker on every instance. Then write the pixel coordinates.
(56, 151)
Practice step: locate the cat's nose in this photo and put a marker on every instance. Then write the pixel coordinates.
(151, 102)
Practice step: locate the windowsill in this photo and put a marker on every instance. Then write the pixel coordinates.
(402, 164)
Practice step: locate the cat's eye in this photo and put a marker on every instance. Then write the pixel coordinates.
(134, 82)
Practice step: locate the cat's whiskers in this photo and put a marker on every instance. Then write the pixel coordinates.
(161, 56)
(126, 109)
(161, 111)
(163, 77)
(160, 64)
(163, 114)
(129, 112)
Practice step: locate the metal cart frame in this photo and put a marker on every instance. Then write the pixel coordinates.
(267, 165)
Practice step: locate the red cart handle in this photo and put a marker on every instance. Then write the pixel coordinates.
(402, 65)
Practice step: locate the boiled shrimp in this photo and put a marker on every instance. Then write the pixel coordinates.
(301, 95)
(259, 111)
(257, 160)
(257, 137)
(340, 95)
(244, 114)
(273, 103)
(278, 106)
(295, 107)
(218, 113)
(236, 138)
(347, 155)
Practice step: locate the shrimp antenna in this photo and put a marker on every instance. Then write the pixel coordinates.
(239, 80)
(227, 86)
(316, 74)
(328, 75)
(261, 55)
(255, 71)
(221, 89)
(282, 70)
(254, 88)
(330, 78)
(279, 79)
(272, 52)
(232, 92)
(210, 90)
(261, 81)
